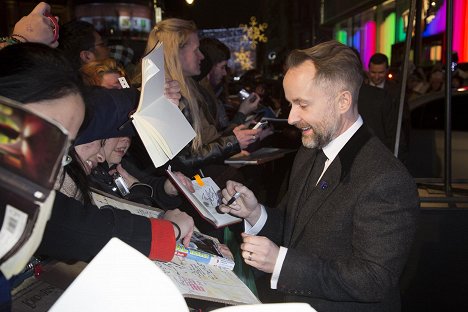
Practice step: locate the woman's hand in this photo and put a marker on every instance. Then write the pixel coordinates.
(185, 223)
(128, 178)
(170, 188)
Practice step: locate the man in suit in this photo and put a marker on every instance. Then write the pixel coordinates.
(341, 236)
(378, 75)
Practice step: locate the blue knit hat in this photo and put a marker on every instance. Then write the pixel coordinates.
(108, 113)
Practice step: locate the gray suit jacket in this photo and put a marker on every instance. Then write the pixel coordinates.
(348, 247)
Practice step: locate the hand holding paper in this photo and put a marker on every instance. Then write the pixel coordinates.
(185, 223)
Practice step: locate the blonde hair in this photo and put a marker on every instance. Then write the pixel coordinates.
(93, 72)
(174, 34)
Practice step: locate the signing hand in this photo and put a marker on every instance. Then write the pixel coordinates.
(36, 27)
(172, 91)
(246, 206)
(170, 188)
(185, 223)
(259, 252)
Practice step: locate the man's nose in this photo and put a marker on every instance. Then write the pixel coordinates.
(293, 117)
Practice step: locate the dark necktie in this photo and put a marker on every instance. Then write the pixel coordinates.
(314, 175)
(317, 169)
(311, 181)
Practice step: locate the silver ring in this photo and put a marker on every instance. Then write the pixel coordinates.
(253, 137)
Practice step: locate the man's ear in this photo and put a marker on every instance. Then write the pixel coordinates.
(345, 101)
(87, 56)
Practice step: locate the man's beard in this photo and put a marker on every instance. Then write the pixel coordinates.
(323, 133)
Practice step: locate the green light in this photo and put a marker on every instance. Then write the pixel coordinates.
(342, 36)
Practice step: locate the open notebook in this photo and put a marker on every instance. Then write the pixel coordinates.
(160, 124)
(120, 278)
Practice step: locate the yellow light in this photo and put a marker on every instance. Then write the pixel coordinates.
(390, 76)
(189, 1)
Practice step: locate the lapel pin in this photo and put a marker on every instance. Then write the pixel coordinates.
(323, 185)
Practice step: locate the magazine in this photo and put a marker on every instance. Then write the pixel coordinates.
(204, 249)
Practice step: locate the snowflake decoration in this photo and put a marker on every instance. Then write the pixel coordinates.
(254, 32)
(244, 59)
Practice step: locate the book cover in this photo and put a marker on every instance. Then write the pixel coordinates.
(32, 148)
(205, 200)
(160, 124)
(204, 249)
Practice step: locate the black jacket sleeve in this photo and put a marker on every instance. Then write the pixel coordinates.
(213, 153)
(78, 232)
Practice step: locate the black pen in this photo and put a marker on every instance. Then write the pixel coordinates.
(233, 199)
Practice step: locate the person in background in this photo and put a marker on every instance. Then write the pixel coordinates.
(104, 73)
(81, 43)
(378, 75)
(340, 238)
(110, 109)
(436, 80)
(213, 72)
(38, 75)
(182, 59)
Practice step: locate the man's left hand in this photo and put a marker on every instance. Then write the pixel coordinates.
(259, 252)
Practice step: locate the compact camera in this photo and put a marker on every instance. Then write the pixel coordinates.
(121, 185)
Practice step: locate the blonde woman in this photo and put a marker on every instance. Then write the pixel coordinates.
(182, 60)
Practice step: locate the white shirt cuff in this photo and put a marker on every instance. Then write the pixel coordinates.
(257, 227)
(278, 266)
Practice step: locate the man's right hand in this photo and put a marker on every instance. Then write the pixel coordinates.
(185, 223)
(246, 206)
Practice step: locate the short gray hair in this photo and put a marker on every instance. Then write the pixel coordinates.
(337, 66)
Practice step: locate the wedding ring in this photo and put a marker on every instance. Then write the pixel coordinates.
(253, 137)
(250, 256)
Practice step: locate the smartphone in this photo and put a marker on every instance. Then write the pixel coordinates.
(244, 94)
(260, 125)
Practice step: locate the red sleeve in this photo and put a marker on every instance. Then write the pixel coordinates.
(162, 240)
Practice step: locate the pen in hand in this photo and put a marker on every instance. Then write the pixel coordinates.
(233, 199)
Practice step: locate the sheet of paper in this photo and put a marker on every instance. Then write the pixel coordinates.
(197, 280)
(118, 279)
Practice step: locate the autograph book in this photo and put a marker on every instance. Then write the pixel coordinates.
(205, 200)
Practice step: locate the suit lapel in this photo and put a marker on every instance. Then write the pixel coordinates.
(302, 166)
(335, 173)
(325, 187)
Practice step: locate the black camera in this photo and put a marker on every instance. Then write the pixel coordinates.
(121, 185)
